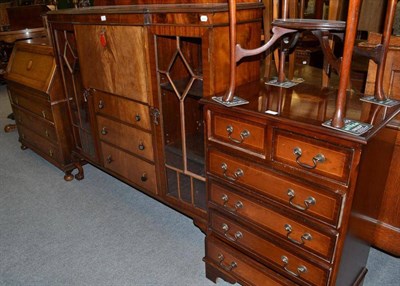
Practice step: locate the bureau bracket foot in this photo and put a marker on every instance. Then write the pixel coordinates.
(80, 175)
(213, 273)
(9, 127)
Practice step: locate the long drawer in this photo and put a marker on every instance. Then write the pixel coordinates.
(130, 167)
(245, 269)
(295, 232)
(44, 147)
(280, 258)
(35, 104)
(126, 137)
(321, 204)
(37, 124)
(122, 109)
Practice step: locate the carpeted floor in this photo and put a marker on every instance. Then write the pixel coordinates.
(100, 231)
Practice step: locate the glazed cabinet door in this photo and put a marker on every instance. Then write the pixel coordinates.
(78, 103)
(179, 69)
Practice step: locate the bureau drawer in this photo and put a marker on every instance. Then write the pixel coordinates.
(122, 109)
(239, 265)
(312, 156)
(320, 204)
(243, 135)
(130, 167)
(43, 146)
(129, 138)
(273, 221)
(34, 104)
(281, 258)
(40, 126)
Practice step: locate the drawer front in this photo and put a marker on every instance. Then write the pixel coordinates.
(38, 125)
(315, 203)
(313, 156)
(290, 230)
(31, 69)
(241, 266)
(129, 138)
(40, 107)
(122, 109)
(44, 146)
(244, 135)
(281, 258)
(130, 167)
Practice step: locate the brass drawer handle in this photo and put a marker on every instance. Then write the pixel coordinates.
(304, 237)
(243, 135)
(238, 173)
(137, 118)
(227, 267)
(104, 131)
(319, 158)
(44, 114)
(238, 205)
(101, 104)
(51, 153)
(300, 270)
(235, 237)
(310, 201)
(109, 159)
(143, 178)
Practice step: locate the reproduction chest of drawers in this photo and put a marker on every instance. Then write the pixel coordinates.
(38, 103)
(283, 191)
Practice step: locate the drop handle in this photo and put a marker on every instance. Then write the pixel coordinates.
(319, 158)
(310, 201)
(305, 237)
(238, 205)
(243, 135)
(234, 237)
(29, 65)
(104, 131)
(236, 175)
(300, 270)
(101, 104)
(227, 267)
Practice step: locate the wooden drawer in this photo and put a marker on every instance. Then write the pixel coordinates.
(122, 109)
(276, 222)
(246, 136)
(274, 254)
(38, 125)
(44, 147)
(130, 167)
(319, 204)
(312, 156)
(129, 138)
(245, 269)
(34, 104)
(31, 66)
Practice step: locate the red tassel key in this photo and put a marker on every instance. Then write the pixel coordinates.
(103, 40)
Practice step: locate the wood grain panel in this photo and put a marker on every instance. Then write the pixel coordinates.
(117, 55)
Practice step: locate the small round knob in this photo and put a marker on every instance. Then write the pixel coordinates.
(137, 117)
(109, 159)
(143, 178)
(101, 104)
(104, 131)
(141, 146)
